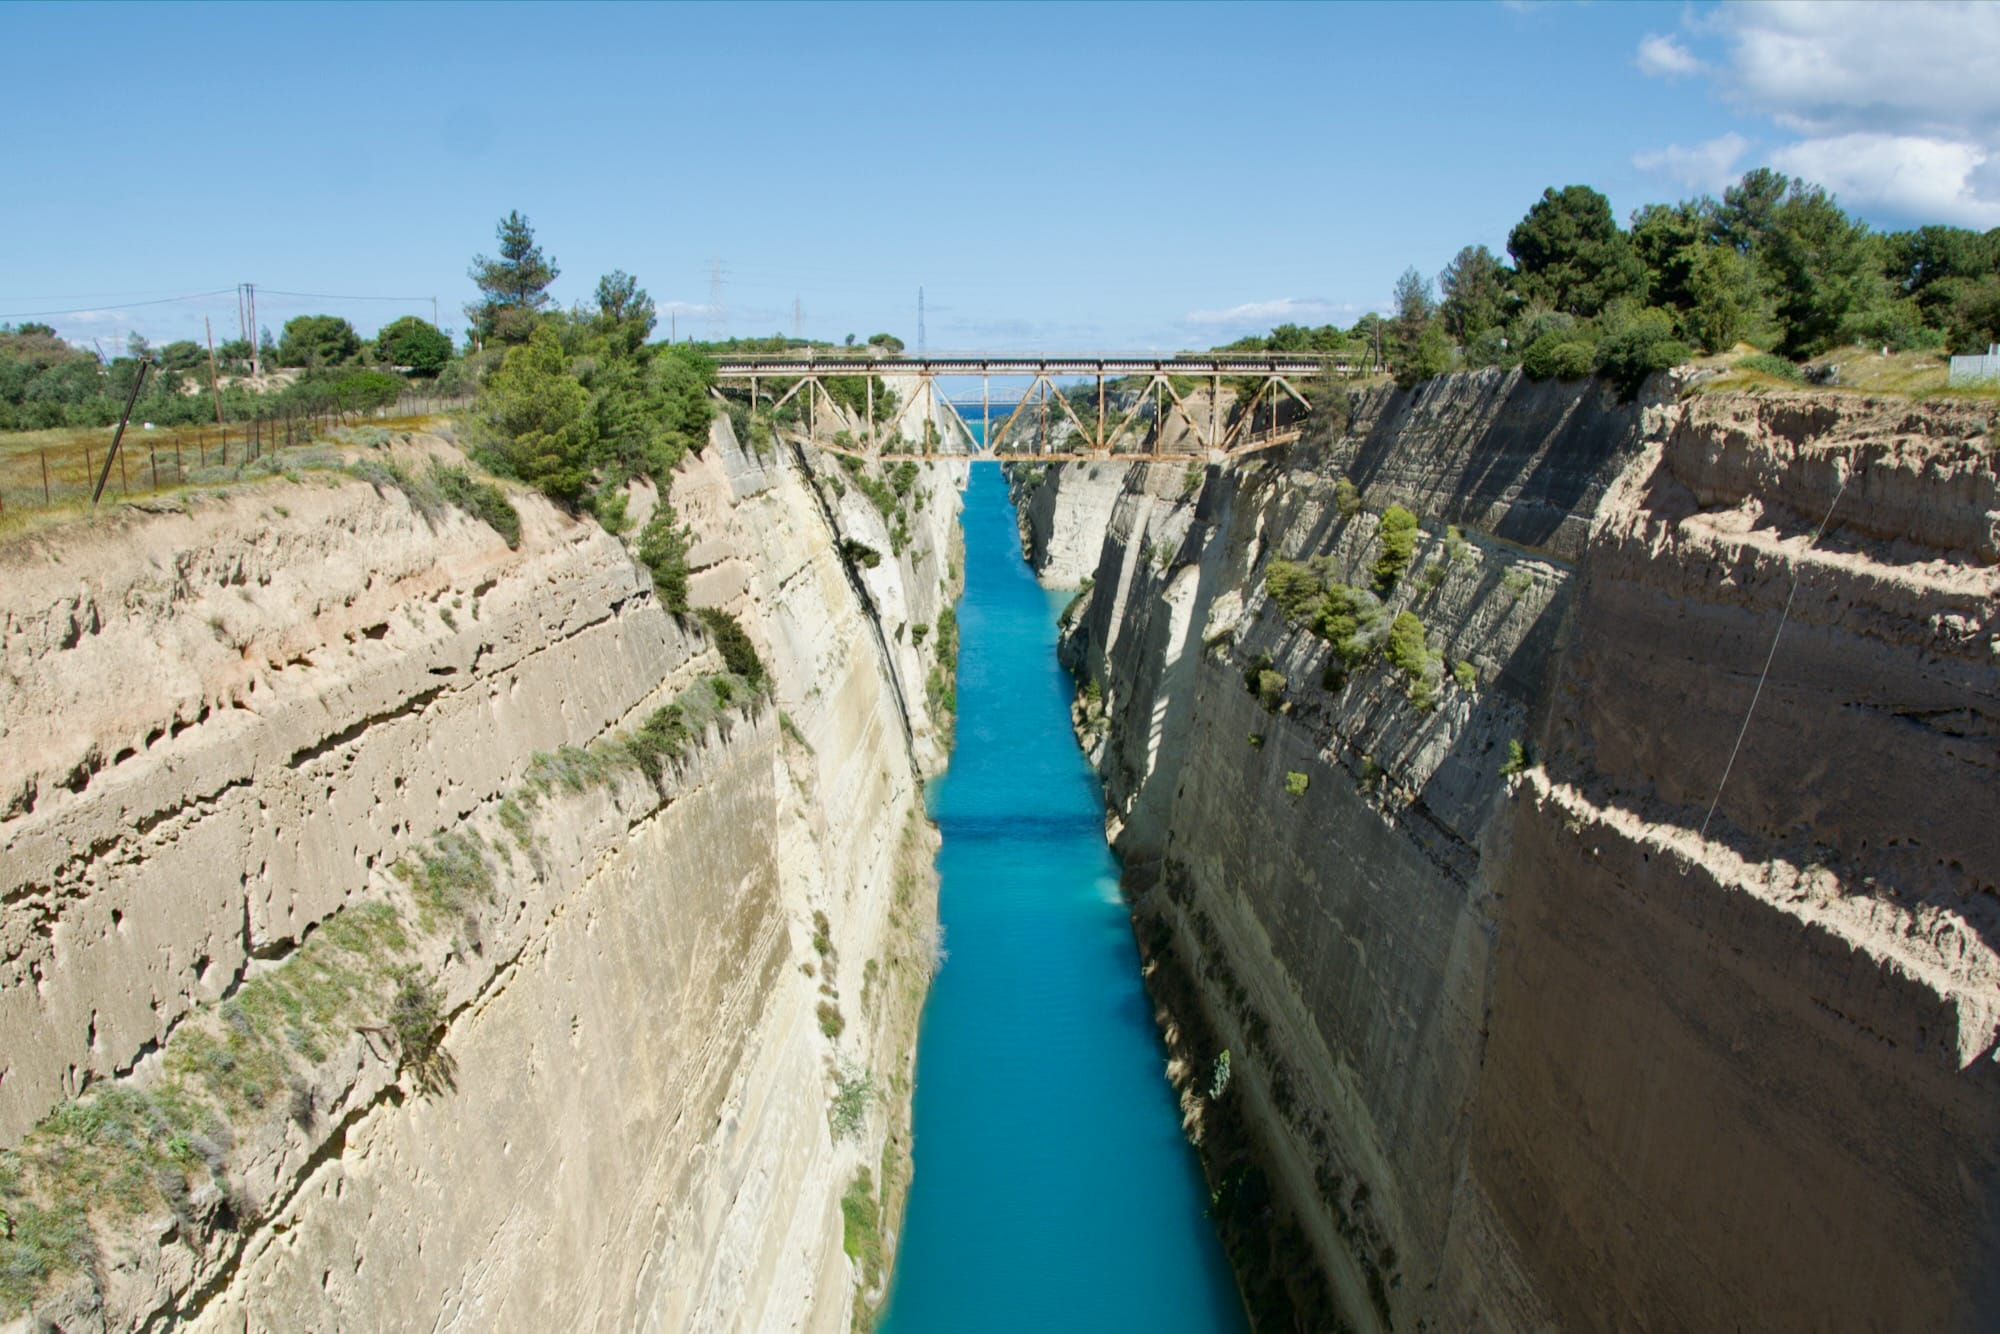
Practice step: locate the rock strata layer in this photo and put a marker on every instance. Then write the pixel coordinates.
(275, 762)
(1513, 1044)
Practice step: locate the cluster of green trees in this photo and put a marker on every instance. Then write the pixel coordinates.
(580, 402)
(1774, 263)
(45, 382)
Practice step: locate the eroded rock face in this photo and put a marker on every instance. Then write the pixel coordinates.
(1509, 1051)
(320, 689)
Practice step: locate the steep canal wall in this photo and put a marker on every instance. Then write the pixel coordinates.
(401, 929)
(1509, 1038)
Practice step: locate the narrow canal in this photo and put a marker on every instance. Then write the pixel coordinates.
(1053, 1188)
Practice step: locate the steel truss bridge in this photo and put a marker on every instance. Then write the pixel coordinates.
(1268, 415)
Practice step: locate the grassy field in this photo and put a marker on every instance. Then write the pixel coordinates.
(1861, 370)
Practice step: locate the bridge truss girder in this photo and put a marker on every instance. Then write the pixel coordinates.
(1215, 436)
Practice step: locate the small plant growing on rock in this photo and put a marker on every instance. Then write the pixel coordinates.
(1346, 498)
(1218, 1082)
(854, 1091)
(1466, 675)
(830, 1021)
(1296, 783)
(1519, 760)
(1270, 690)
(1399, 543)
(416, 1017)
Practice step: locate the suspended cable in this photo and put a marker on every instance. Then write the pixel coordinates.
(109, 305)
(328, 296)
(1798, 570)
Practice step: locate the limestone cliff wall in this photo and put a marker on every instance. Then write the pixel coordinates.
(271, 755)
(1494, 1058)
(1063, 510)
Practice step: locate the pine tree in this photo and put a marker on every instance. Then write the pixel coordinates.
(516, 284)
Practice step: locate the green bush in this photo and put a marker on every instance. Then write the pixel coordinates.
(1635, 345)
(1399, 543)
(1405, 648)
(1296, 783)
(1766, 364)
(831, 1023)
(663, 550)
(1293, 587)
(542, 417)
(1270, 690)
(1347, 619)
(1346, 498)
(414, 343)
(854, 1091)
(739, 655)
(861, 1230)
(662, 737)
(482, 500)
(1566, 354)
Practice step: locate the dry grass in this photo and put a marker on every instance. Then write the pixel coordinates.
(46, 477)
(1862, 371)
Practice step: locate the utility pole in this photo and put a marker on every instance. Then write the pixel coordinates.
(434, 314)
(798, 319)
(920, 321)
(213, 386)
(246, 309)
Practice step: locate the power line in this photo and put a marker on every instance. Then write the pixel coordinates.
(328, 296)
(106, 305)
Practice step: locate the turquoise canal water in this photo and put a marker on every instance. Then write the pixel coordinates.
(1053, 1188)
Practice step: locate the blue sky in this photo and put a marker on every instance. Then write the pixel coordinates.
(1056, 177)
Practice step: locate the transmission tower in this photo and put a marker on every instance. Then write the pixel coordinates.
(718, 323)
(920, 321)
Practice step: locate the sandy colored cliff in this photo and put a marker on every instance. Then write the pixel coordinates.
(1509, 1052)
(280, 761)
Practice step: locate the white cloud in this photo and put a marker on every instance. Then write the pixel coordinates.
(1286, 309)
(1884, 69)
(1705, 167)
(1664, 58)
(1894, 107)
(1933, 179)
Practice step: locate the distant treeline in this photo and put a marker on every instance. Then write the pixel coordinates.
(46, 382)
(1775, 263)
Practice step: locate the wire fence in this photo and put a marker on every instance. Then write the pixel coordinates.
(43, 469)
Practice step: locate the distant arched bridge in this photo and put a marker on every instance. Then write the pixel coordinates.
(1267, 415)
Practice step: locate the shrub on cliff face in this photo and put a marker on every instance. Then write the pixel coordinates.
(1346, 498)
(482, 500)
(416, 1016)
(663, 550)
(1399, 543)
(739, 655)
(1295, 588)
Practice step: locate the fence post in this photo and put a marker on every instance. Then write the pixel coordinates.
(89, 467)
(45, 476)
(179, 477)
(153, 457)
(124, 482)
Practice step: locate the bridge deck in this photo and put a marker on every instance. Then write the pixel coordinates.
(738, 368)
